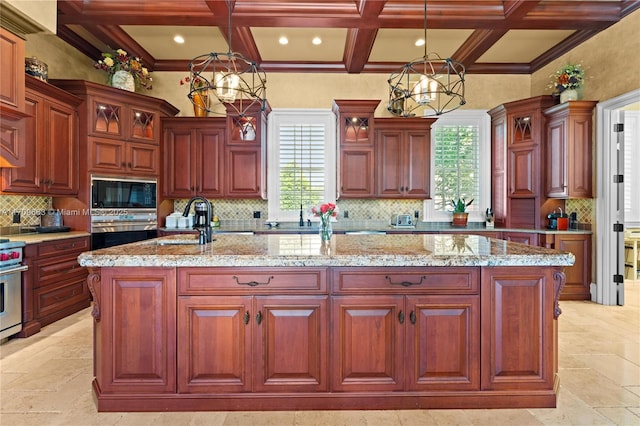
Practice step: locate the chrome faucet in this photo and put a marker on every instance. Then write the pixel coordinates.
(207, 228)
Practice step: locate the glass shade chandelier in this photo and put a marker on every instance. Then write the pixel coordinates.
(227, 78)
(431, 84)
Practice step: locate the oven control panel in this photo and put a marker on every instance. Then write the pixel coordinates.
(10, 253)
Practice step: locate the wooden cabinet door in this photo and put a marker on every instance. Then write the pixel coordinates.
(107, 118)
(61, 153)
(12, 81)
(390, 163)
(243, 172)
(143, 125)
(291, 344)
(517, 328)
(179, 174)
(577, 277)
(142, 159)
(367, 343)
(215, 344)
(28, 179)
(523, 171)
(418, 164)
(107, 155)
(209, 161)
(556, 167)
(135, 348)
(356, 173)
(443, 343)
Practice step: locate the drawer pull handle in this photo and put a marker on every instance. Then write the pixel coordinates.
(405, 283)
(246, 318)
(252, 283)
(412, 317)
(259, 317)
(401, 317)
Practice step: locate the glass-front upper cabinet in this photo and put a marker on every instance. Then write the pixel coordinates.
(355, 121)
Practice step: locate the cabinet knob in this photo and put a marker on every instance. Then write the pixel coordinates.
(246, 318)
(401, 317)
(259, 317)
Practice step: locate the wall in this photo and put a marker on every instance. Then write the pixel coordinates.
(610, 59)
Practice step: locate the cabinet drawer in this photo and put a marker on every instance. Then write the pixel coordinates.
(54, 298)
(406, 280)
(56, 269)
(61, 247)
(251, 281)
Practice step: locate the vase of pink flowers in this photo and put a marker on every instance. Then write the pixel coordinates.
(325, 212)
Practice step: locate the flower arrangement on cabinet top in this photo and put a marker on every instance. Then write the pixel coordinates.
(198, 82)
(325, 212)
(120, 60)
(569, 77)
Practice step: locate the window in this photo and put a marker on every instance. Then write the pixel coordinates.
(302, 162)
(461, 164)
(631, 171)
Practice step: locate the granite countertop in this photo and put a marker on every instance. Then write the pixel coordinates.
(343, 250)
(34, 238)
(371, 226)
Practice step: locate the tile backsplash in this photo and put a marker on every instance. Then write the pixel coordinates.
(29, 207)
(585, 208)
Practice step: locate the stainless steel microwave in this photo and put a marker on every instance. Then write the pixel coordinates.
(123, 193)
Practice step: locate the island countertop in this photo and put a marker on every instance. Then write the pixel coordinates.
(308, 250)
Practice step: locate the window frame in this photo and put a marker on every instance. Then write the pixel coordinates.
(482, 119)
(278, 117)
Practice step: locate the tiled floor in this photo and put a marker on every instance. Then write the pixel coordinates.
(45, 380)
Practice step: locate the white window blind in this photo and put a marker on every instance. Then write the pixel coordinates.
(456, 165)
(301, 162)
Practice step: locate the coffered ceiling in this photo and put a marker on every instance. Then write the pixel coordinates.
(358, 36)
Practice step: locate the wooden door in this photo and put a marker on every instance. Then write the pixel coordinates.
(209, 161)
(417, 168)
(391, 163)
(443, 343)
(215, 344)
(517, 328)
(28, 179)
(523, 162)
(179, 171)
(142, 159)
(136, 335)
(556, 167)
(243, 172)
(291, 341)
(578, 277)
(356, 173)
(107, 155)
(61, 139)
(367, 343)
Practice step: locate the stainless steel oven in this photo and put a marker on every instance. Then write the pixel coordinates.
(11, 269)
(123, 210)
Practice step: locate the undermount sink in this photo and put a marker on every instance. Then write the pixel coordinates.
(176, 242)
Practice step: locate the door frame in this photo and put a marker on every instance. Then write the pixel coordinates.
(609, 244)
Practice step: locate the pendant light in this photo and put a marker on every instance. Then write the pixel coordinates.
(429, 86)
(228, 78)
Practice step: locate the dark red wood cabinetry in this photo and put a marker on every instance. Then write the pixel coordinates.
(55, 284)
(357, 157)
(569, 162)
(281, 338)
(517, 156)
(52, 147)
(12, 107)
(193, 157)
(403, 149)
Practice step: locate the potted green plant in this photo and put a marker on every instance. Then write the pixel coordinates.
(460, 214)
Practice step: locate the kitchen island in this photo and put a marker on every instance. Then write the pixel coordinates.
(286, 322)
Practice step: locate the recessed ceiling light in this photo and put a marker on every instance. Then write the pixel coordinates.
(316, 41)
(420, 42)
(178, 39)
(283, 40)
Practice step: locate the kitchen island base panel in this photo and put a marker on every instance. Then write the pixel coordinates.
(333, 401)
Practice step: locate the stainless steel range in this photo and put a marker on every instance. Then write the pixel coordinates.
(11, 269)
